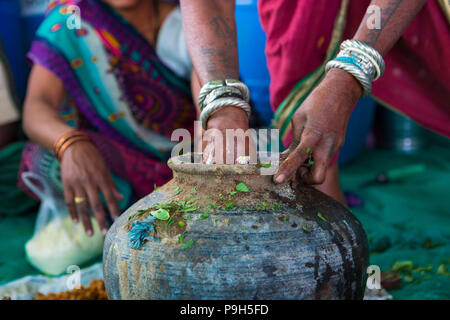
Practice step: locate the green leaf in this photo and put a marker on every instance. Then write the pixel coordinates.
(276, 206)
(308, 150)
(181, 238)
(402, 265)
(187, 244)
(442, 270)
(311, 162)
(241, 187)
(321, 217)
(161, 214)
(264, 165)
(232, 193)
(304, 228)
(177, 191)
(170, 222)
(181, 224)
(204, 216)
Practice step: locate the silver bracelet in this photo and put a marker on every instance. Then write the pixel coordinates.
(373, 55)
(220, 103)
(210, 86)
(359, 74)
(222, 92)
(354, 57)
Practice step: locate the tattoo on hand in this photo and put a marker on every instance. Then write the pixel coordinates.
(221, 59)
(386, 14)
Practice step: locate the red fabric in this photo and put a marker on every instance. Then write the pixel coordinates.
(417, 77)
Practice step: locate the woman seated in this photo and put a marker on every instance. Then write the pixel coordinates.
(103, 100)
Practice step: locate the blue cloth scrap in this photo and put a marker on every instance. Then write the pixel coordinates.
(139, 232)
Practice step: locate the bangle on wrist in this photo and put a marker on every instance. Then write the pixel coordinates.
(361, 61)
(222, 93)
(67, 139)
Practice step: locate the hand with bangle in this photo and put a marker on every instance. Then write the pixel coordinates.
(224, 105)
(84, 174)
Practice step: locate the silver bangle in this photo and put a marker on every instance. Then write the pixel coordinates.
(363, 78)
(360, 60)
(210, 86)
(369, 52)
(222, 92)
(220, 103)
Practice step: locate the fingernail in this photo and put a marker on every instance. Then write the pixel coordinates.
(280, 178)
(89, 233)
(104, 231)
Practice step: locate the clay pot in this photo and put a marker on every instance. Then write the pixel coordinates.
(269, 243)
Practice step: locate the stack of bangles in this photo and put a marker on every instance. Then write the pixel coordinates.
(222, 93)
(360, 60)
(66, 140)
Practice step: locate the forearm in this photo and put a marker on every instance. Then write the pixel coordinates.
(395, 17)
(43, 124)
(210, 31)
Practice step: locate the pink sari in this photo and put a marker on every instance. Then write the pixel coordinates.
(300, 34)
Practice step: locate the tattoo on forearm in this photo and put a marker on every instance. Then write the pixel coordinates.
(221, 59)
(387, 12)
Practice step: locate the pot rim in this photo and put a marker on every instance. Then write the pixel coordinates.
(190, 163)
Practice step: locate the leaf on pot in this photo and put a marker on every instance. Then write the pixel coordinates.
(321, 217)
(161, 214)
(187, 244)
(241, 187)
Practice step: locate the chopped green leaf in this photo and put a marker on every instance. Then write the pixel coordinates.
(161, 214)
(321, 217)
(276, 206)
(442, 270)
(232, 193)
(170, 222)
(181, 224)
(177, 191)
(188, 244)
(264, 165)
(308, 150)
(311, 162)
(304, 228)
(241, 187)
(181, 238)
(204, 216)
(402, 265)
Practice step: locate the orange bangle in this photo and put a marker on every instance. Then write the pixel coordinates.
(64, 138)
(70, 142)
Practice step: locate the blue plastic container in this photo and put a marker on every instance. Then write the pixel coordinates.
(32, 13)
(12, 41)
(358, 130)
(252, 59)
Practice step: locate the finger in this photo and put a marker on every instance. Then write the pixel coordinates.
(111, 202)
(117, 194)
(295, 159)
(97, 208)
(69, 198)
(83, 210)
(318, 171)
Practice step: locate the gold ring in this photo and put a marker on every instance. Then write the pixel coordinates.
(79, 200)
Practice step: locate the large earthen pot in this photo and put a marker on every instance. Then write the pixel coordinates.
(274, 242)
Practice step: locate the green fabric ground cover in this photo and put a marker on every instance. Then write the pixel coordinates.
(408, 220)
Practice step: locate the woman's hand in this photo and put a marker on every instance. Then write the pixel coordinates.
(84, 173)
(318, 128)
(226, 118)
